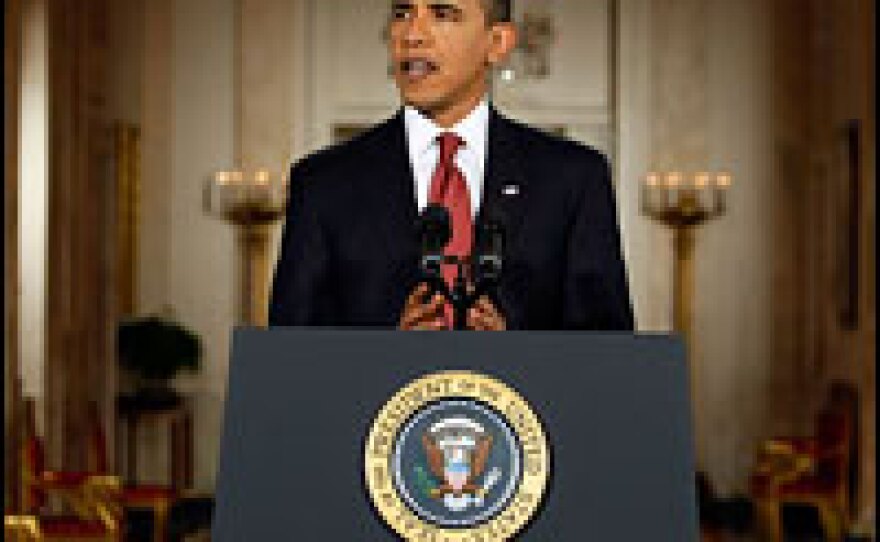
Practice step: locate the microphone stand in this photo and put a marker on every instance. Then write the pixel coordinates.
(459, 297)
(485, 262)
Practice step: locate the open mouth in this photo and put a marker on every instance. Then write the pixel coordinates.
(417, 68)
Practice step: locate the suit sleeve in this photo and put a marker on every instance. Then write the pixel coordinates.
(596, 293)
(300, 285)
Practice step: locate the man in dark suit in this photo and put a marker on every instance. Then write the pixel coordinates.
(350, 250)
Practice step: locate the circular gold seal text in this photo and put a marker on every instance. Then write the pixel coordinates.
(456, 456)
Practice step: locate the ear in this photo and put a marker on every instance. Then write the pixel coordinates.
(503, 40)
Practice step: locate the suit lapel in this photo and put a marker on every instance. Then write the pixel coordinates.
(505, 187)
(399, 209)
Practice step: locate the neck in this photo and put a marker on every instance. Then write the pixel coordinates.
(448, 116)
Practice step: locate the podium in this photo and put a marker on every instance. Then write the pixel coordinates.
(534, 436)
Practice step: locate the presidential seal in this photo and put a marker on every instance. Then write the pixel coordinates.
(456, 456)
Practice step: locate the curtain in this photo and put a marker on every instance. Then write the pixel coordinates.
(80, 312)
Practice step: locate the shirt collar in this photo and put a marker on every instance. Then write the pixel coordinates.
(422, 132)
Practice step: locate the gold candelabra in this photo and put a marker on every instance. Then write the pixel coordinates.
(252, 202)
(683, 202)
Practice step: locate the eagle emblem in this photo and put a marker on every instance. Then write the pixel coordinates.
(445, 459)
(457, 450)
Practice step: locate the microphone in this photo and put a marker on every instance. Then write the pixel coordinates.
(435, 227)
(435, 231)
(485, 263)
(489, 250)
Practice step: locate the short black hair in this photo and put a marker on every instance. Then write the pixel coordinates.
(497, 11)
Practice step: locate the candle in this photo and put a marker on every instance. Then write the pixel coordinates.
(722, 183)
(704, 191)
(649, 192)
(262, 188)
(237, 189)
(672, 192)
(701, 180)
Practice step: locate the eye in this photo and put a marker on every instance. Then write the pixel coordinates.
(446, 13)
(401, 13)
(443, 14)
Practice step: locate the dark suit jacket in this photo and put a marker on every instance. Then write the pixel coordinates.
(350, 249)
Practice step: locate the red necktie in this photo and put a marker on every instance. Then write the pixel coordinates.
(449, 188)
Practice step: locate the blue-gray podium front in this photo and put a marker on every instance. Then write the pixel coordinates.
(615, 409)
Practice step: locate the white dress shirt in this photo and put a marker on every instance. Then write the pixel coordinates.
(424, 150)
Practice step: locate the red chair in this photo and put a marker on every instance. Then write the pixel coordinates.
(813, 471)
(97, 496)
(20, 528)
(92, 498)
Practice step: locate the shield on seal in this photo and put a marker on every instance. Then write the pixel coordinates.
(457, 449)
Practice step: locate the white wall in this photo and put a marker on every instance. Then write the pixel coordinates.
(186, 258)
(201, 248)
(735, 255)
(646, 246)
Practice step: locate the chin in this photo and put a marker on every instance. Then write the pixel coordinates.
(424, 102)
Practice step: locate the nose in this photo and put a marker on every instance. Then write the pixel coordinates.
(416, 31)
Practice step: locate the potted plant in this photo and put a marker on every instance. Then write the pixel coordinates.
(155, 350)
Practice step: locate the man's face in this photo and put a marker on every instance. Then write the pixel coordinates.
(441, 50)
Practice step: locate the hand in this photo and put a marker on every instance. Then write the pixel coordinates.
(484, 316)
(418, 315)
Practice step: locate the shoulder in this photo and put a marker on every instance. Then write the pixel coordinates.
(338, 158)
(552, 149)
(567, 173)
(343, 170)
(556, 164)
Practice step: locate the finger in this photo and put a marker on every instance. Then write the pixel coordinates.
(429, 306)
(417, 295)
(434, 307)
(418, 313)
(481, 321)
(491, 325)
(481, 325)
(485, 304)
(433, 325)
(429, 297)
(419, 291)
(428, 322)
(412, 317)
(477, 320)
(474, 313)
(484, 313)
(477, 325)
(484, 308)
(491, 311)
